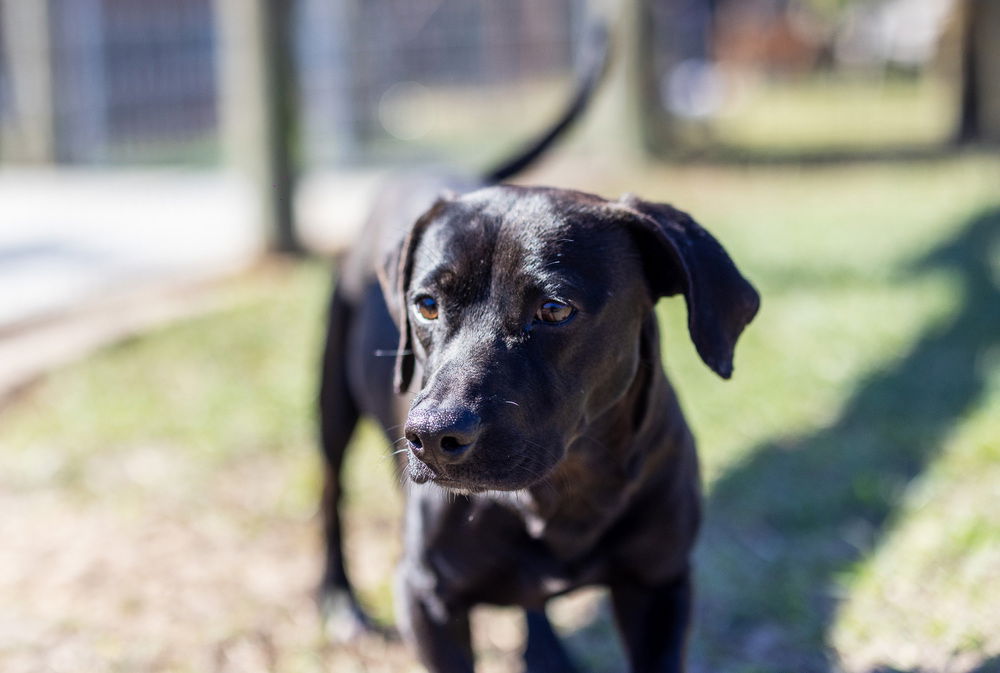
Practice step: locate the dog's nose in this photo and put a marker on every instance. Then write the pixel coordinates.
(445, 435)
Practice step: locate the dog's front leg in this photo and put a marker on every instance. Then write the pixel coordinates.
(653, 621)
(544, 652)
(437, 632)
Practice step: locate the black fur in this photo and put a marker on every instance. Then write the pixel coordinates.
(566, 443)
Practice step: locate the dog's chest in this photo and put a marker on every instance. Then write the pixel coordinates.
(483, 551)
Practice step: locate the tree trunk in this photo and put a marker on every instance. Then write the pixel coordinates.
(979, 116)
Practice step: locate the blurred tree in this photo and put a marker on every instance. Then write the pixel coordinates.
(979, 117)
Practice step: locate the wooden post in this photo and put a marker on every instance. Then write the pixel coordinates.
(629, 106)
(258, 108)
(670, 35)
(656, 126)
(27, 27)
(615, 117)
(979, 118)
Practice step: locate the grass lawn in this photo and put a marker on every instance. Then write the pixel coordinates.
(159, 497)
(839, 113)
(835, 114)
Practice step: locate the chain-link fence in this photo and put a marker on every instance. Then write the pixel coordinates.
(137, 82)
(123, 81)
(126, 81)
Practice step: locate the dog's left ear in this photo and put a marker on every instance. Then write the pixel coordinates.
(394, 279)
(720, 301)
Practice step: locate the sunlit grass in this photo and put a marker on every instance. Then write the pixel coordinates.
(808, 115)
(838, 112)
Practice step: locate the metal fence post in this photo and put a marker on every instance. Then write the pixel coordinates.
(257, 100)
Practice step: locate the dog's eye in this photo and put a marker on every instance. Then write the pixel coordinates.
(427, 307)
(554, 312)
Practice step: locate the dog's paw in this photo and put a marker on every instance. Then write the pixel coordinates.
(344, 620)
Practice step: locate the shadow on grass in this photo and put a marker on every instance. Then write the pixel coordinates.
(785, 527)
(990, 666)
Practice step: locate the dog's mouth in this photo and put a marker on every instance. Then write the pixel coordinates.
(476, 476)
(419, 471)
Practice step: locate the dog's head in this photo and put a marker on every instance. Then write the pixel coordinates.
(520, 311)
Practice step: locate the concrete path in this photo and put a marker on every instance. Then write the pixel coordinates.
(89, 256)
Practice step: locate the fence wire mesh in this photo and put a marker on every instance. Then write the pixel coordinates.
(137, 82)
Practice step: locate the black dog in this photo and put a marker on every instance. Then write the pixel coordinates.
(546, 448)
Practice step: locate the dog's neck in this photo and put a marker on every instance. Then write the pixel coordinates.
(577, 503)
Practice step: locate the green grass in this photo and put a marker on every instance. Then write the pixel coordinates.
(838, 113)
(214, 388)
(851, 465)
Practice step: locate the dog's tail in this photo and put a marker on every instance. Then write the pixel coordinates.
(593, 64)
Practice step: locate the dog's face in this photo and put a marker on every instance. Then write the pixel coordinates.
(524, 319)
(520, 311)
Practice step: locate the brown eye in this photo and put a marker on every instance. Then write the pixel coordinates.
(554, 312)
(427, 307)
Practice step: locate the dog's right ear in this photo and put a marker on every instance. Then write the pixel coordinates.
(394, 278)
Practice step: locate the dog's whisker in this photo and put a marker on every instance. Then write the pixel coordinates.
(390, 454)
(386, 353)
